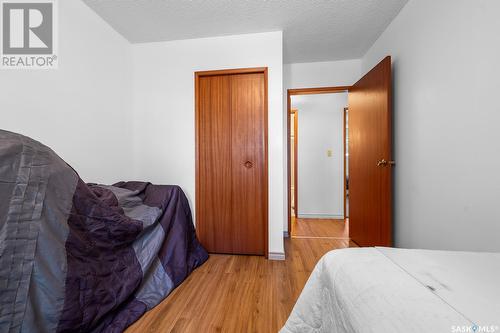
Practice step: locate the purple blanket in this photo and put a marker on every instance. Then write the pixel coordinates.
(77, 257)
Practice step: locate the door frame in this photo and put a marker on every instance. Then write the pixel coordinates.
(265, 185)
(295, 159)
(344, 130)
(290, 93)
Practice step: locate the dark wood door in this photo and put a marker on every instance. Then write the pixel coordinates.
(214, 172)
(248, 162)
(231, 215)
(370, 158)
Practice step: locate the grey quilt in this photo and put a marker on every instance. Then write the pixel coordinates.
(77, 257)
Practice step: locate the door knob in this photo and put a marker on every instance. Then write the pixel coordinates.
(383, 163)
(248, 164)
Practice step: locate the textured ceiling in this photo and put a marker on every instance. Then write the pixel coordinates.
(313, 30)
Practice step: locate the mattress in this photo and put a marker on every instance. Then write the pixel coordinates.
(399, 290)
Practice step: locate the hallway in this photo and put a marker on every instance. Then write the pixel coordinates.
(320, 228)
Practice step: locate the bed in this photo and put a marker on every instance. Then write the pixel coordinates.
(77, 257)
(399, 290)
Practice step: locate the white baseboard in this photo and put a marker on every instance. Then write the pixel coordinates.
(320, 216)
(276, 256)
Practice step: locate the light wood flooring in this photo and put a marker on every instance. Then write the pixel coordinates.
(243, 293)
(329, 228)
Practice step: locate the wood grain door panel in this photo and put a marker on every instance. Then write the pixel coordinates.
(370, 140)
(248, 161)
(231, 120)
(214, 157)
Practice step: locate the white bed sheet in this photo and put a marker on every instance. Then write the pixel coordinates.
(398, 290)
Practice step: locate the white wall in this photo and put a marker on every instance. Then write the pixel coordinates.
(320, 177)
(321, 74)
(446, 117)
(83, 109)
(164, 110)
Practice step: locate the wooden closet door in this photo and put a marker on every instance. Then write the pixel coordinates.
(248, 163)
(214, 179)
(231, 199)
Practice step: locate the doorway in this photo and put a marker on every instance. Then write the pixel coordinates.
(368, 162)
(317, 162)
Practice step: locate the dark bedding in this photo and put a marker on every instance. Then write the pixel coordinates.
(78, 257)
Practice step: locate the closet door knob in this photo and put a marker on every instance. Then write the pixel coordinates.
(248, 164)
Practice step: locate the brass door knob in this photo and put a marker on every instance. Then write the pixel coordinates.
(384, 163)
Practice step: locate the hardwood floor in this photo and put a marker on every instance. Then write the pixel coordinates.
(320, 228)
(239, 293)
